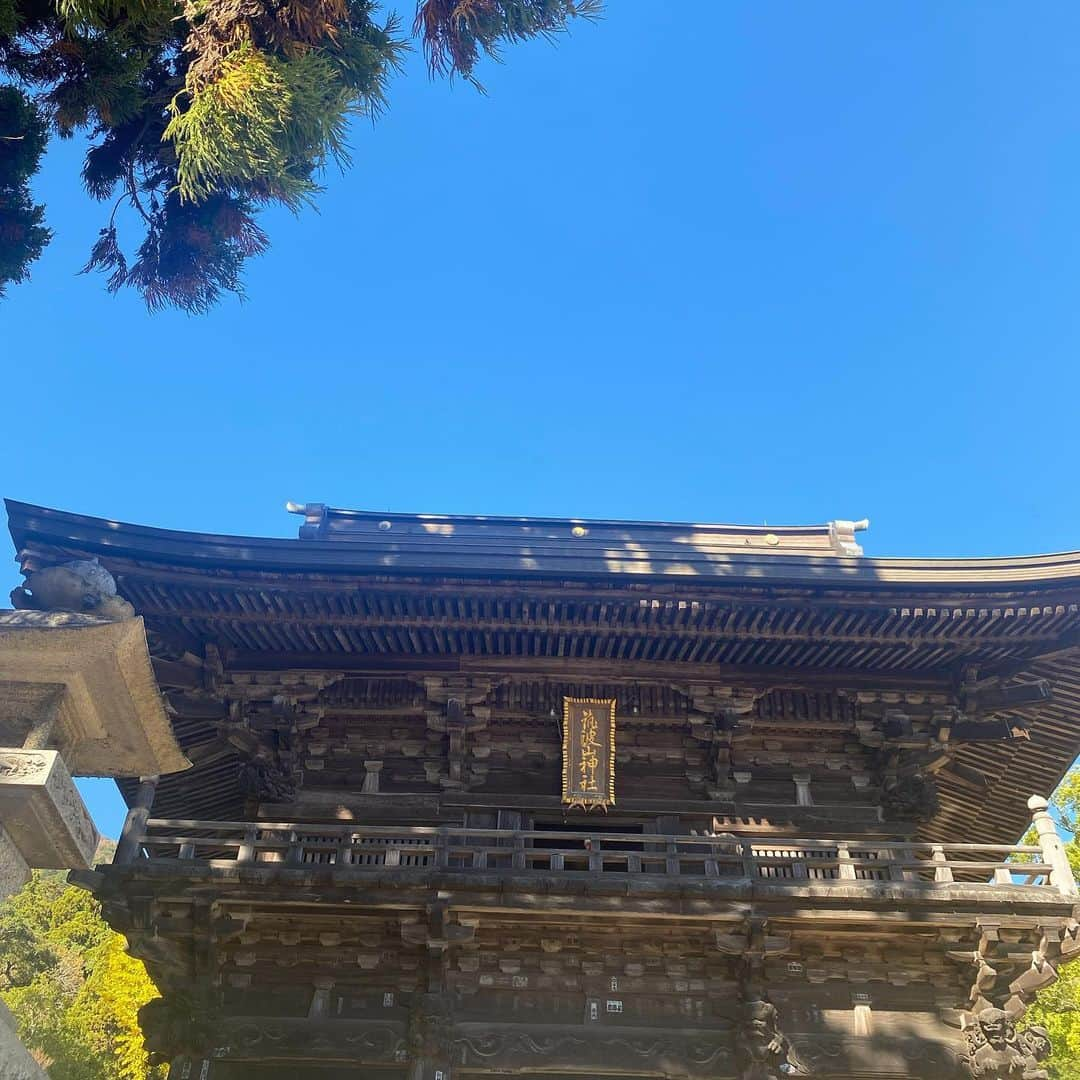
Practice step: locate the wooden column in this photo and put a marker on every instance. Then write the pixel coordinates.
(429, 1028)
(131, 838)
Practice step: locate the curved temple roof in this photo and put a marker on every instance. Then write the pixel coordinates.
(355, 541)
(371, 593)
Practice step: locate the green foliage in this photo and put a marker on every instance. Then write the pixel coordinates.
(23, 235)
(201, 111)
(263, 121)
(1058, 1006)
(72, 988)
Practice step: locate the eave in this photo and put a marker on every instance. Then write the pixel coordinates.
(609, 552)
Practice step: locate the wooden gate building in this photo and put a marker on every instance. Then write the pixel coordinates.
(487, 797)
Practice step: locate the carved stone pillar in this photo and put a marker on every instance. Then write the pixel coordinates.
(45, 822)
(14, 869)
(15, 1060)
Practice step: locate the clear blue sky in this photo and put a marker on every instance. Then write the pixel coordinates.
(751, 261)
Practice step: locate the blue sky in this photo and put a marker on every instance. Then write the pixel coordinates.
(734, 262)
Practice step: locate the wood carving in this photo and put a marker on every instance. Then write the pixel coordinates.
(996, 1051)
(182, 1023)
(910, 798)
(764, 1051)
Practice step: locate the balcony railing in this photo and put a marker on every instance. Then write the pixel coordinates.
(450, 849)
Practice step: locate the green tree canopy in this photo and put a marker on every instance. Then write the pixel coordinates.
(71, 986)
(199, 112)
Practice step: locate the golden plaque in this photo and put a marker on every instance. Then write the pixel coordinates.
(588, 752)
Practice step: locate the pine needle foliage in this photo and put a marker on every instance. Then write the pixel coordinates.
(231, 131)
(201, 112)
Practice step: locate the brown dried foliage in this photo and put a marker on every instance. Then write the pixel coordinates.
(456, 32)
(286, 28)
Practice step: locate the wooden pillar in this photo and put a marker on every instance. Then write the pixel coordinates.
(429, 1029)
(131, 838)
(1061, 875)
(845, 868)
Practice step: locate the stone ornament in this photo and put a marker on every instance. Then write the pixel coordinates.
(82, 585)
(995, 1050)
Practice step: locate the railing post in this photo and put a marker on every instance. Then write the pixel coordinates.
(134, 831)
(672, 864)
(245, 853)
(942, 872)
(295, 855)
(750, 867)
(800, 865)
(1061, 875)
(892, 860)
(596, 860)
(712, 864)
(442, 849)
(843, 858)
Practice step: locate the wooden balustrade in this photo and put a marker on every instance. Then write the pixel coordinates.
(453, 849)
